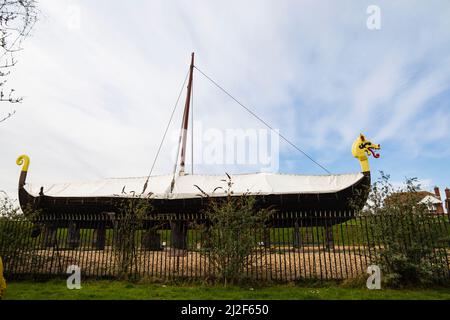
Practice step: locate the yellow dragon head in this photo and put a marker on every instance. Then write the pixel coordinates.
(361, 149)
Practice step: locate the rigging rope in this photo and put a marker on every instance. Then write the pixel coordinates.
(261, 120)
(165, 133)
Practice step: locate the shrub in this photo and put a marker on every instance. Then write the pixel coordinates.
(129, 220)
(9, 210)
(412, 240)
(2, 280)
(232, 232)
(15, 229)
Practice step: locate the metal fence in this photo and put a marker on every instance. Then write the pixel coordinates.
(292, 246)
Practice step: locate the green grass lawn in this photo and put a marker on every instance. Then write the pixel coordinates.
(54, 290)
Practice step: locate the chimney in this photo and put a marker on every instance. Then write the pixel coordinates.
(439, 207)
(447, 200)
(437, 193)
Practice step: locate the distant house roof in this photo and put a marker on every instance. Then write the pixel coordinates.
(429, 199)
(423, 197)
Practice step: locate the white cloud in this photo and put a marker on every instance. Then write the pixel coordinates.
(98, 98)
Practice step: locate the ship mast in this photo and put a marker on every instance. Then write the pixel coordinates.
(185, 122)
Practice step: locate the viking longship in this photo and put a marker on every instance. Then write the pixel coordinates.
(179, 192)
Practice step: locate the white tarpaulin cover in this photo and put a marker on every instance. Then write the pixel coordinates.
(159, 186)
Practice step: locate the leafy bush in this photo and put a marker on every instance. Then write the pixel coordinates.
(232, 232)
(15, 231)
(2, 280)
(412, 240)
(9, 210)
(14, 227)
(129, 220)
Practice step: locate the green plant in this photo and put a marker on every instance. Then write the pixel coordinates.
(15, 233)
(231, 235)
(128, 221)
(2, 280)
(9, 210)
(412, 240)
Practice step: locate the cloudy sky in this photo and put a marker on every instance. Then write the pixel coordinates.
(100, 79)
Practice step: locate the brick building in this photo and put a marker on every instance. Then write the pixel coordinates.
(434, 200)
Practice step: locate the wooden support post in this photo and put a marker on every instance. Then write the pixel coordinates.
(297, 235)
(266, 237)
(49, 236)
(151, 240)
(329, 236)
(99, 238)
(118, 237)
(73, 236)
(178, 234)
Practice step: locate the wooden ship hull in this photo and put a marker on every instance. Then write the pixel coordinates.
(337, 205)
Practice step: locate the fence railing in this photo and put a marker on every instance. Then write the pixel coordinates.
(292, 246)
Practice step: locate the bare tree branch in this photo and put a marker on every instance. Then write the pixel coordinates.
(10, 114)
(17, 19)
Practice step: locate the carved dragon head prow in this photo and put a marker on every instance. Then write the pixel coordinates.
(23, 161)
(362, 149)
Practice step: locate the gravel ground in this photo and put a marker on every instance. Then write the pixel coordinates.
(307, 262)
(276, 263)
